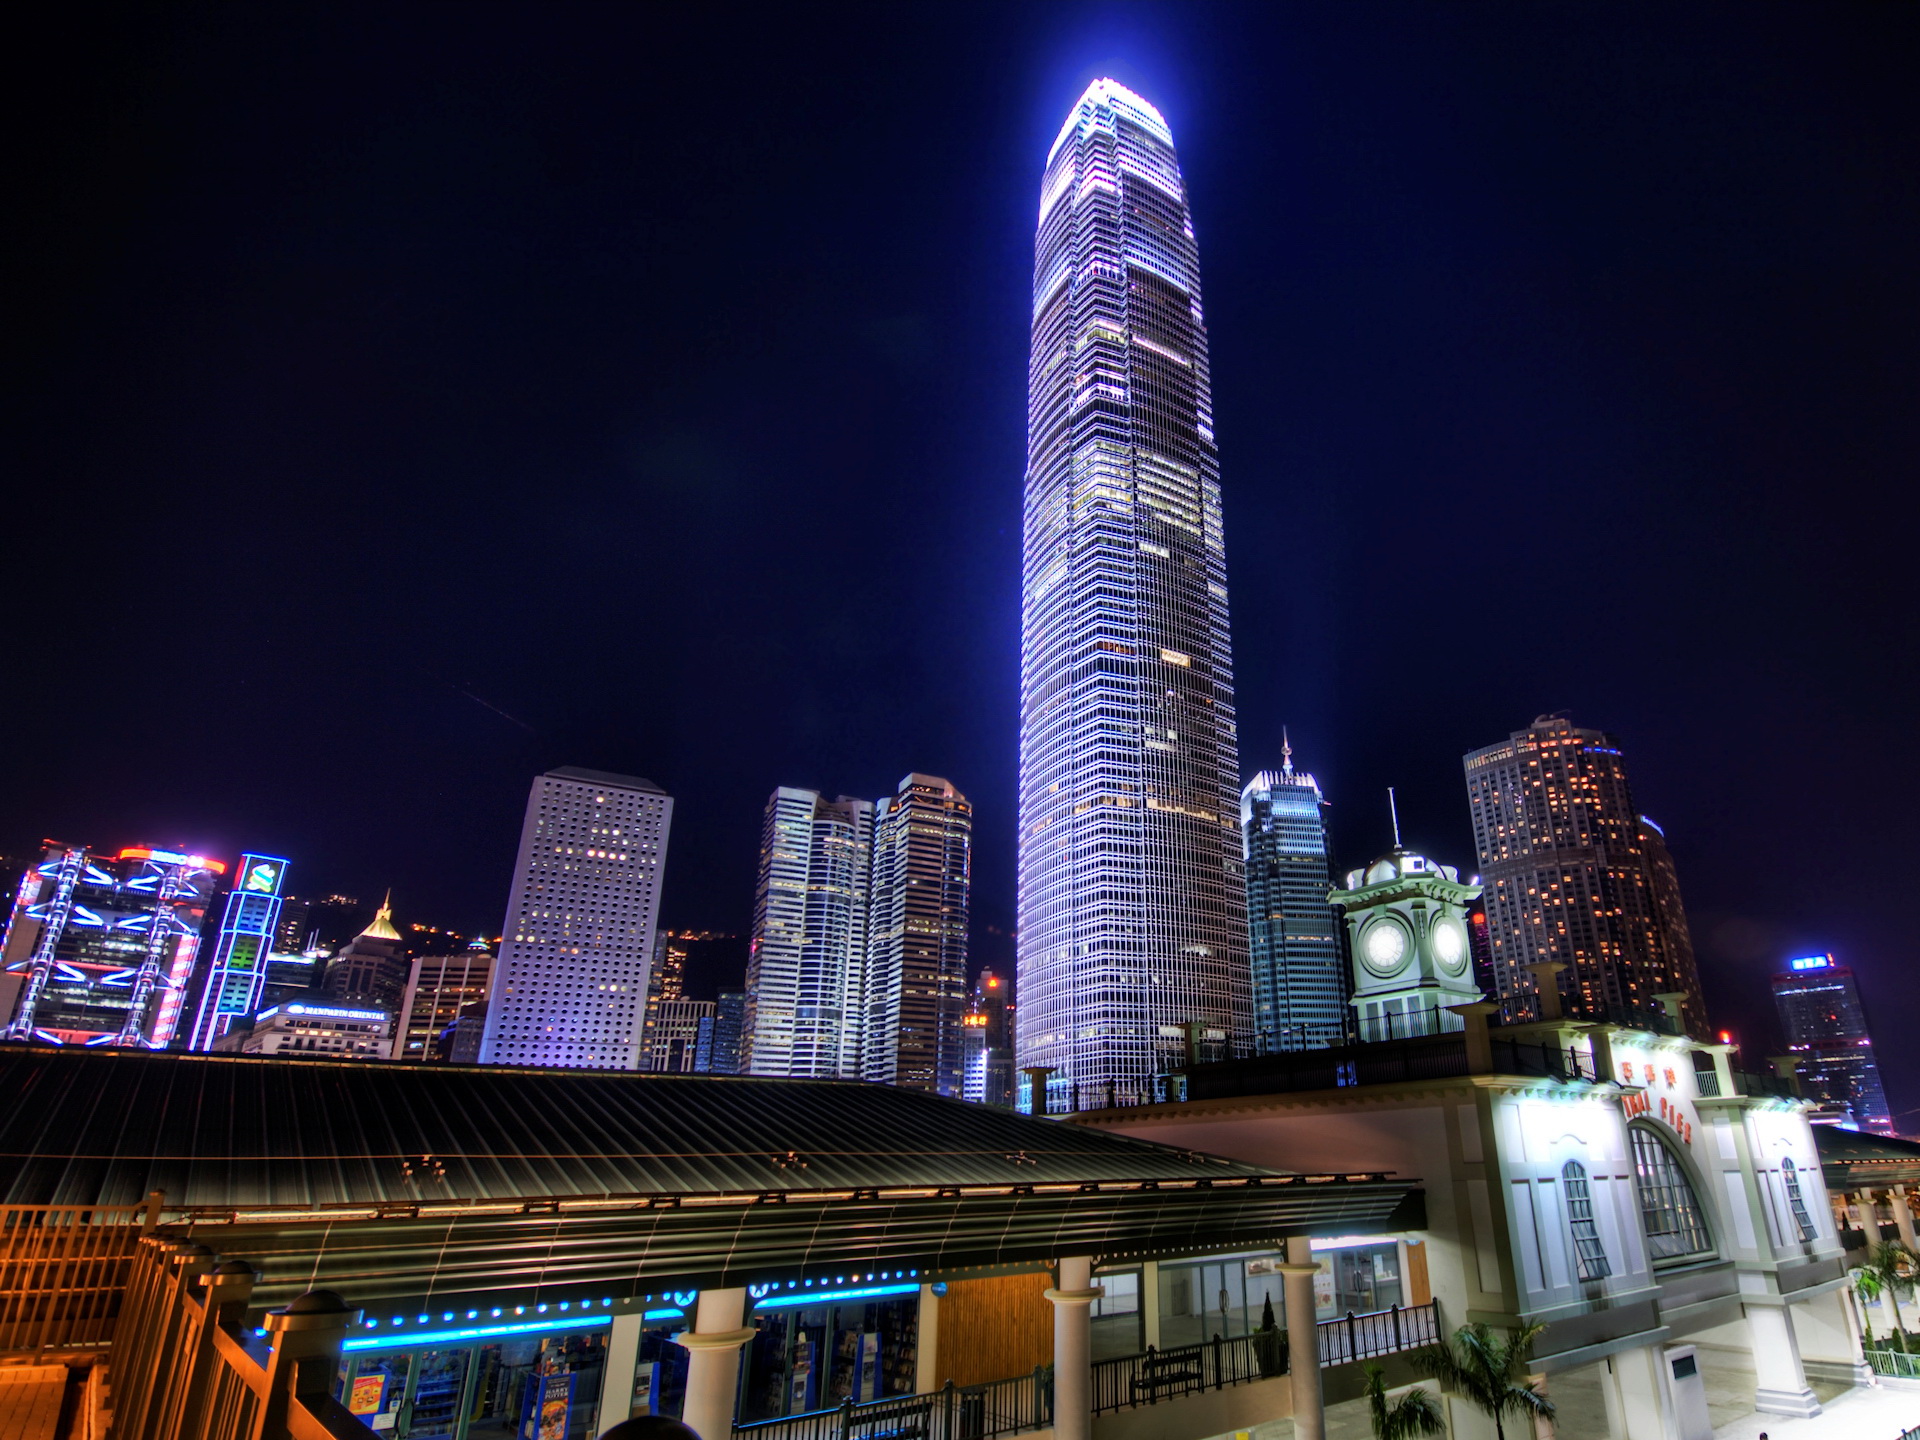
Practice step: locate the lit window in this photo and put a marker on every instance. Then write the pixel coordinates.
(1588, 1251)
(1796, 1201)
(1669, 1210)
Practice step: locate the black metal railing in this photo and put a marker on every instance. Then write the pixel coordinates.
(1379, 1332)
(1010, 1407)
(1521, 1057)
(1187, 1369)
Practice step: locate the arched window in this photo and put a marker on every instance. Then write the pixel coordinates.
(1675, 1223)
(1587, 1249)
(1796, 1201)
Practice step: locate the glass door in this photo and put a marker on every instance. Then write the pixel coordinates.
(437, 1399)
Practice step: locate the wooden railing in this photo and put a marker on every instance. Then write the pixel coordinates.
(184, 1366)
(63, 1269)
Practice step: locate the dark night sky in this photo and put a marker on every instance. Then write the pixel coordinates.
(657, 378)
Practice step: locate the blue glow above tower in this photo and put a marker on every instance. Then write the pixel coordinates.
(231, 984)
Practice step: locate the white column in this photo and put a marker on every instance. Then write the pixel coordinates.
(1903, 1216)
(1542, 1426)
(1303, 1341)
(623, 1358)
(1150, 1303)
(713, 1362)
(1639, 1406)
(926, 1342)
(1869, 1217)
(1073, 1349)
(1776, 1359)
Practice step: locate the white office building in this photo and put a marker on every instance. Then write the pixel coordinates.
(570, 986)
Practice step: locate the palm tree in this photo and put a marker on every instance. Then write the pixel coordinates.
(1414, 1413)
(1889, 1270)
(1483, 1369)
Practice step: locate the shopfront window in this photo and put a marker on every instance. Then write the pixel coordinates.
(1223, 1297)
(1358, 1277)
(812, 1357)
(1117, 1328)
(546, 1387)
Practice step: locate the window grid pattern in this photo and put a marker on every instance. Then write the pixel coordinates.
(1590, 1255)
(1669, 1210)
(1132, 898)
(570, 985)
(1796, 1201)
(1301, 984)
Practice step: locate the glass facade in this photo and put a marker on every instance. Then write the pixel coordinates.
(1826, 1029)
(1300, 978)
(234, 978)
(814, 1357)
(1670, 1212)
(1132, 900)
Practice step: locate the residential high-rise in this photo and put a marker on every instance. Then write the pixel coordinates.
(570, 986)
(806, 969)
(230, 985)
(1132, 901)
(1826, 1030)
(371, 969)
(1573, 873)
(1300, 981)
(439, 990)
(100, 948)
(916, 976)
(859, 956)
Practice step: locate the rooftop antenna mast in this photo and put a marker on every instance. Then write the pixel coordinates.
(1394, 811)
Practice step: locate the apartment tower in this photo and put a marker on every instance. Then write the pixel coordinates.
(570, 984)
(1132, 902)
(1574, 874)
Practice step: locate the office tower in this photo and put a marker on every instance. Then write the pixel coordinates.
(315, 924)
(729, 1025)
(987, 1044)
(372, 968)
(229, 986)
(570, 986)
(291, 976)
(101, 947)
(666, 981)
(1299, 973)
(314, 1027)
(440, 988)
(1573, 874)
(806, 968)
(1132, 903)
(1826, 1030)
(680, 1037)
(916, 975)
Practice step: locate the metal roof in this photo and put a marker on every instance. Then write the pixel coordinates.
(1850, 1159)
(108, 1126)
(383, 1180)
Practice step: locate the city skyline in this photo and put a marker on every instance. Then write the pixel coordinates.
(1433, 279)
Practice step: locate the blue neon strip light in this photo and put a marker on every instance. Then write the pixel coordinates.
(821, 1297)
(476, 1332)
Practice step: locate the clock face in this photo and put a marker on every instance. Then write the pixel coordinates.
(1450, 943)
(1384, 946)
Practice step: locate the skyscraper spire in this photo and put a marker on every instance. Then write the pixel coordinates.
(1132, 910)
(1394, 811)
(1286, 754)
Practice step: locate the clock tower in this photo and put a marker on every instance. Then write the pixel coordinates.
(1407, 933)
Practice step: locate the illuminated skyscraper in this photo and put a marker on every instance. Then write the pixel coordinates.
(233, 980)
(1573, 873)
(1300, 982)
(570, 986)
(859, 960)
(916, 980)
(1826, 1029)
(807, 968)
(1132, 904)
(100, 948)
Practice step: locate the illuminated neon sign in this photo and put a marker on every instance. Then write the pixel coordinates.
(1812, 962)
(325, 1011)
